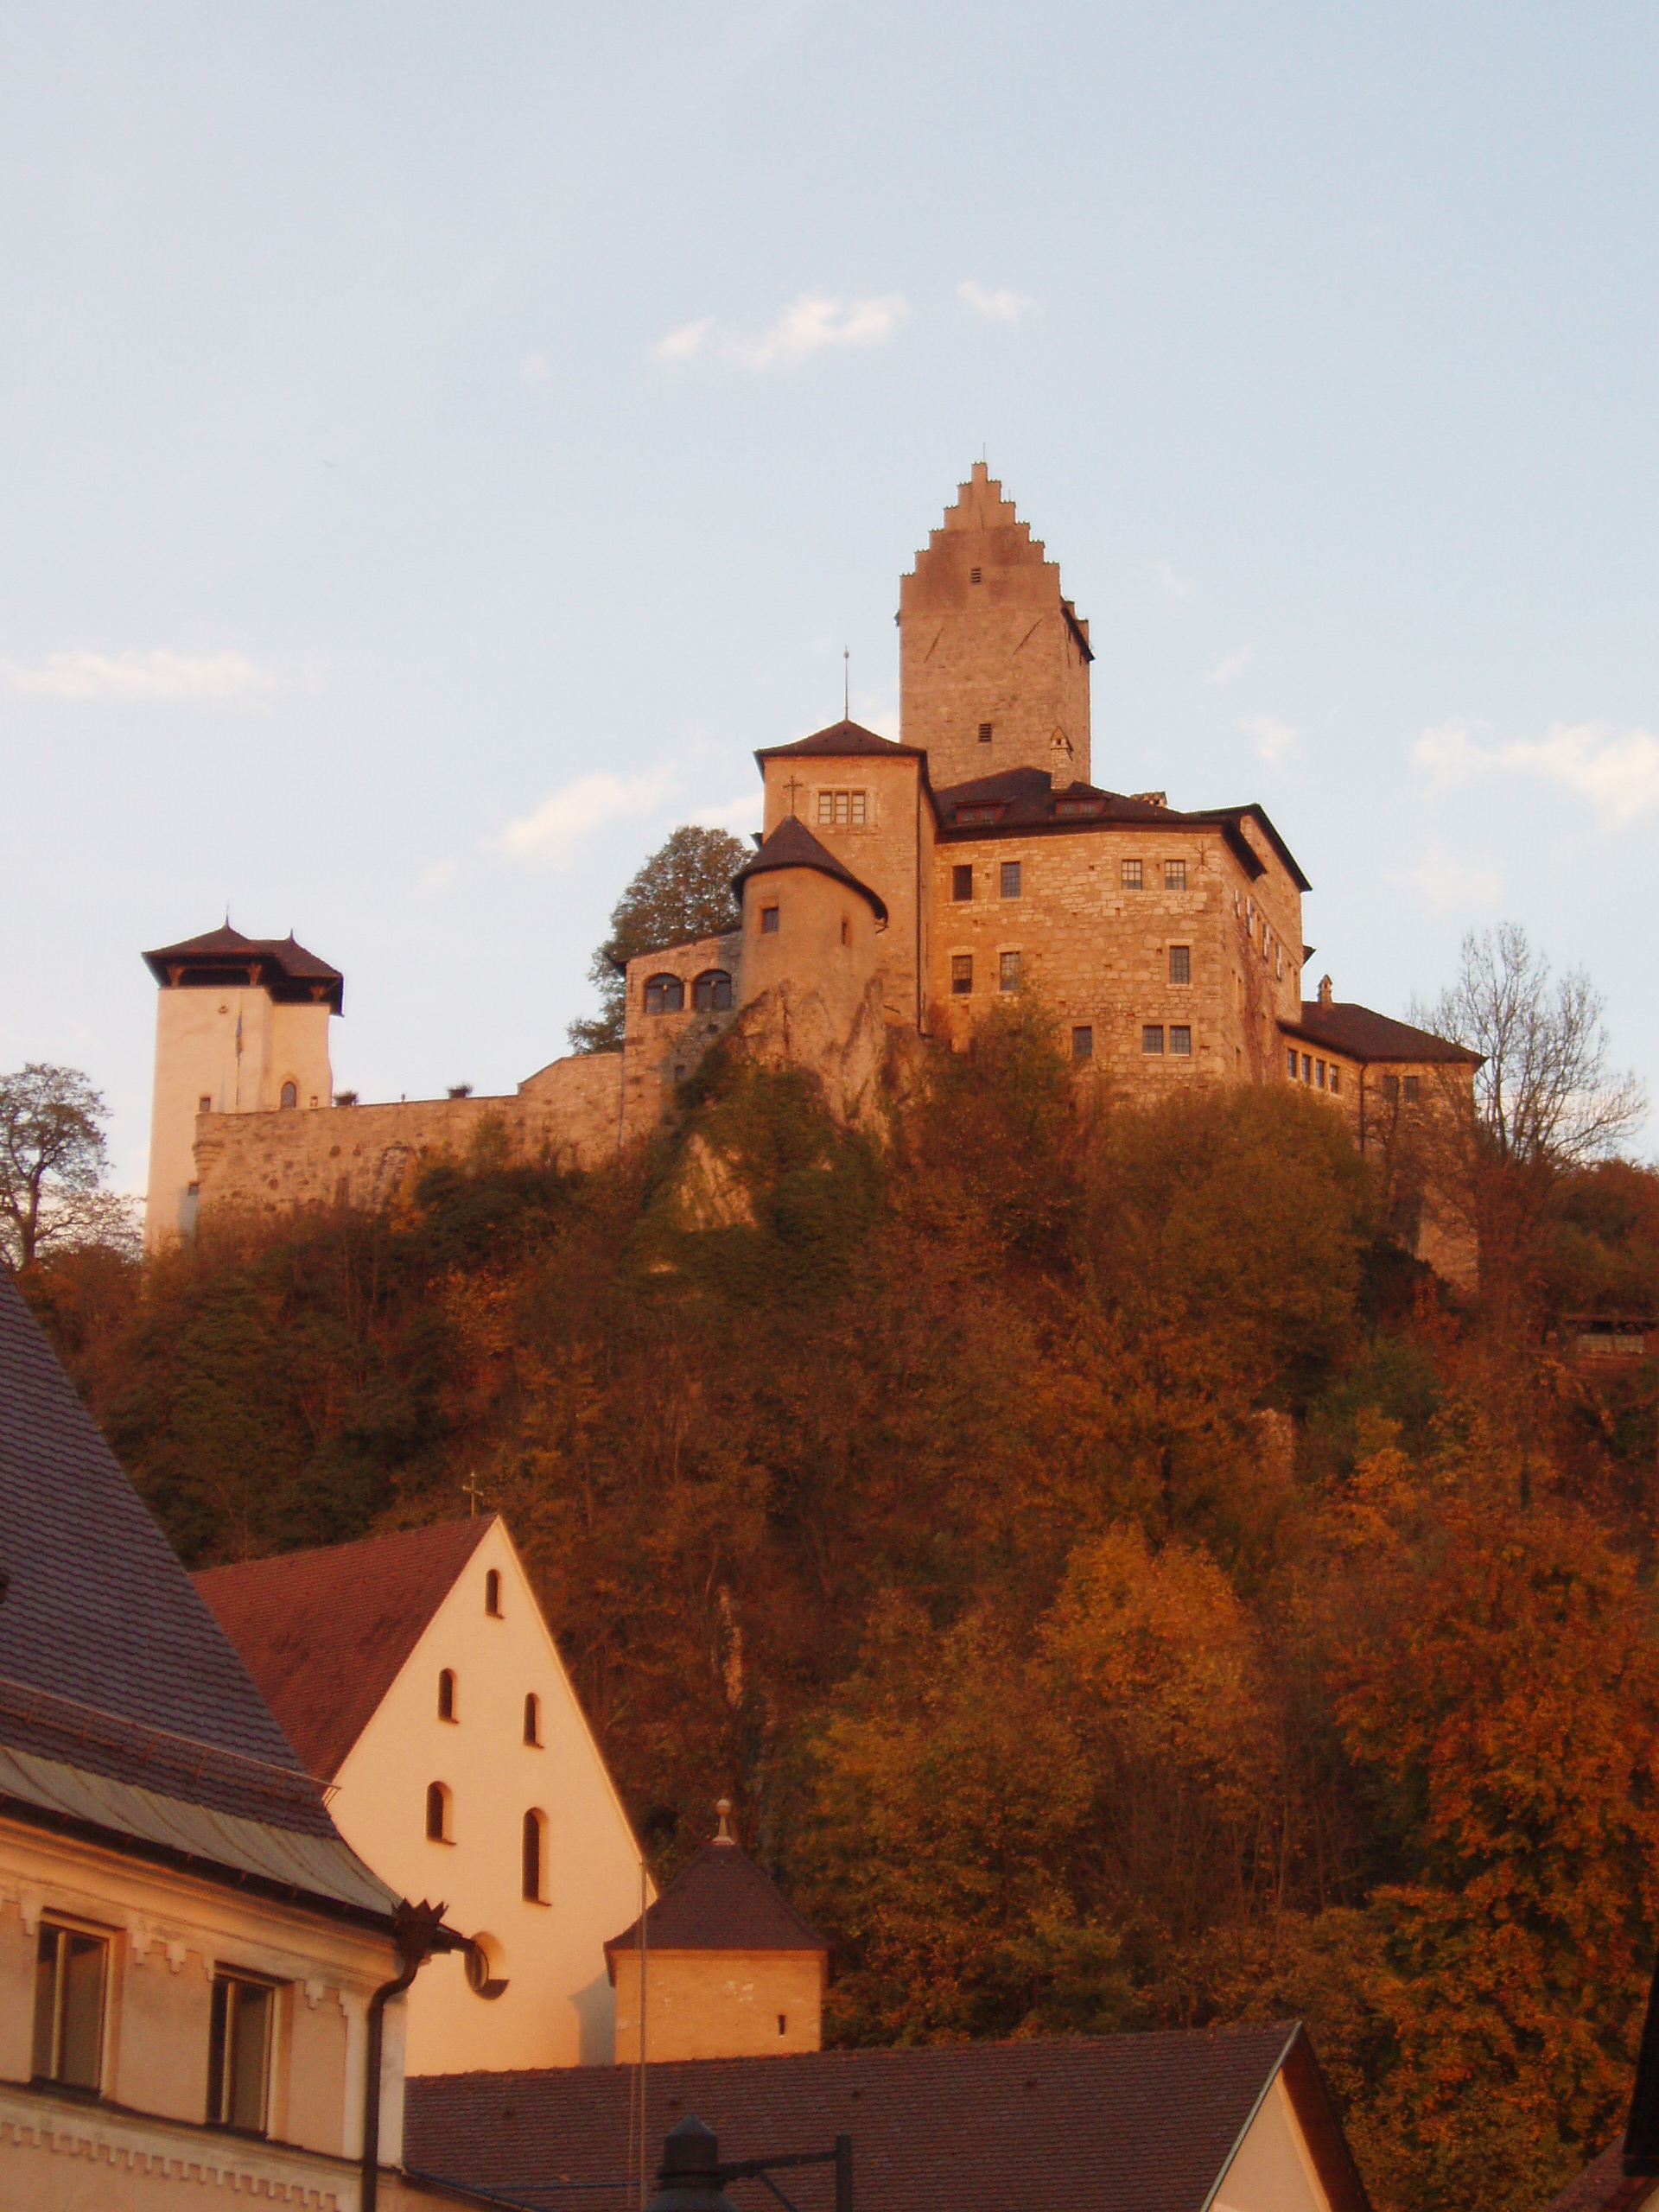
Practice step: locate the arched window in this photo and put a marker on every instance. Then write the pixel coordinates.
(290, 1094)
(447, 1695)
(712, 992)
(437, 1813)
(532, 1718)
(664, 995)
(535, 1857)
(493, 1595)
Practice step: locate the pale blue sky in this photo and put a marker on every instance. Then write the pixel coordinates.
(410, 414)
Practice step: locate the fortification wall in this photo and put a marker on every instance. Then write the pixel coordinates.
(569, 1112)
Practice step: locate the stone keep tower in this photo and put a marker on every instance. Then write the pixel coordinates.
(993, 662)
(241, 1027)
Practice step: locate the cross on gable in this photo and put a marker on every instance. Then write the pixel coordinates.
(470, 1489)
(794, 786)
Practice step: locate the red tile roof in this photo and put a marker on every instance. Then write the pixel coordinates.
(1085, 2123)
(1348, 1027)
(326, 1633)
(845, 738)
(791, 844)
(224, 956)
(719, 1901)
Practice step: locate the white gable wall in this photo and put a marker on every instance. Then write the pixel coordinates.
(558, 2008)
(1272, 2169)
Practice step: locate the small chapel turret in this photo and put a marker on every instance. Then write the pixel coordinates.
(993, 660)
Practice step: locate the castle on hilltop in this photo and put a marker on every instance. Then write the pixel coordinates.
(897, 890)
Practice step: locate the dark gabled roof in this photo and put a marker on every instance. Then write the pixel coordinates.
(846, 738)
(326, 1633)
(1603, 2186)
(224, 956)
(1085, 2123)
(1344, 1026)
(791, 844)
(97, 1610)
(1029, 802)
(719, 1901)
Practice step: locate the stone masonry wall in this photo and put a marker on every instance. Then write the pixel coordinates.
(570, 1111)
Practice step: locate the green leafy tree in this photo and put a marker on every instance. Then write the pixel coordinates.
(53, 1163)
(682, 892)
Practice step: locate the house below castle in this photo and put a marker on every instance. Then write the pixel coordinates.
(899, 889)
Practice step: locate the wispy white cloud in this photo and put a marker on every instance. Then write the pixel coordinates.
(533, 368)
(807, 326)
(1273, 739)
(1172, 585)
(128, 677)
(549, 836)
(438, 877)
(1234, 664)
(1001, 306)
(1447, 879)
(1617, 770)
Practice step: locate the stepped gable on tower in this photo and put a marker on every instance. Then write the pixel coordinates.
(993, 659)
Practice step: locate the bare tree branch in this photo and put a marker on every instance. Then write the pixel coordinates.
(53, 1163)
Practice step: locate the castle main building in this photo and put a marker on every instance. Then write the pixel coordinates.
(896, 887)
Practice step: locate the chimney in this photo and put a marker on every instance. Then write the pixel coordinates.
(1325, 990)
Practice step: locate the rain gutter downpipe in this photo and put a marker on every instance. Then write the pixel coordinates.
(419, 1931)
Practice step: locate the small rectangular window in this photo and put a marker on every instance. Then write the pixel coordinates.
(1181, 1042)
(962, 884)
(858, 798)
(1290, 1063)
(1151, 1038)
(985, 733)
(962, 973)
(1336, 1076)
(975, 576)
(1319, 1075)
(1131, 876)
(1411, 1090)
(71, 1973)
(1308, 1067)
(1180, 964)
(826, 808)
(238, 2053)
(1391, 1090)
(204, 1105)
(768, 921)
(1083, 1043)
(1007, 972)
(843, 806)
(1010, 879)
(1174, 875)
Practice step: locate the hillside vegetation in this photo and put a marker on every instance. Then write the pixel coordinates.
(1118, 1588)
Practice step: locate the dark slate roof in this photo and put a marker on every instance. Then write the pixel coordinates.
(1344, 1026)
(1029, 802)
(1090, 2124)
(326, 1633)
(719, 1901)
(1604, 2187)
(845, 739)
(96, 1608)
(791, 844)
(224, 956)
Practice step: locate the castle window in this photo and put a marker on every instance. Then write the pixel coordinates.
(1411, 1090)
(962, 975)
(204, 1105)
(437, 1813)
(1131, 876)
(768, 921)
(445, 1693)
(967, 816)
(975, 576)
(962, 884)
(1011, 878)
(290, 1094)
(1174, 875)
(842, 808)
(534, 1858)
(1180, 964)
(712, 992)
(1152, 1040)
(1391, 1090)
(1083, 1043)
(1307, 1068)
(985, 733)
(664, 995)
(782, 2024)
(1181, 1042)
(492, 1594)
(1336, 1076)
(1007, 972)
(532, 1719)
(1319, 1075)
(238, 2053)
(71, 1973)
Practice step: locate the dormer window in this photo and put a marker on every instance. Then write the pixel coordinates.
(492, 1594)
(969, 817)
(1070, 810)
